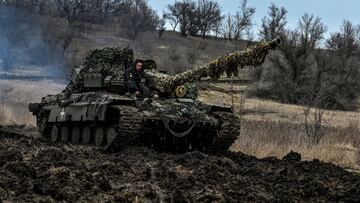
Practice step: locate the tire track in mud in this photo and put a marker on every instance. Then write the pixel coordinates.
(33, 171)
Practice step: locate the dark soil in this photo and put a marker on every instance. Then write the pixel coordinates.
(33, 171)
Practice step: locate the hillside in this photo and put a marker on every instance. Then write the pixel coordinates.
(172, 52)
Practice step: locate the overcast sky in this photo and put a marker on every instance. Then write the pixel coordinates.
(332, 12)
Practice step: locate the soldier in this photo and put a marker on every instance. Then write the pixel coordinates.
(134, 79)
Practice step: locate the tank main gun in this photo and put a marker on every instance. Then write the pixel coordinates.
(229, 64)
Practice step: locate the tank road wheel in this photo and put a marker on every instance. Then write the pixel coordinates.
(99, 136)
(54, 134)
(75, 135)
(86, 135)
(65, 134)
(111, 135)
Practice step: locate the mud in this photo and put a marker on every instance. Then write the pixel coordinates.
(32, 171)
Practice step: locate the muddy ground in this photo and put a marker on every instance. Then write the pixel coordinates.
(33, 171)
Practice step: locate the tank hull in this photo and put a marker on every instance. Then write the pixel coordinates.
(112, 122)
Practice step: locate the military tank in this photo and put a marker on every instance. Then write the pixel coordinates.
(96, 109)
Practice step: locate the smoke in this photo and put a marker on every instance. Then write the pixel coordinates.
(26, 44)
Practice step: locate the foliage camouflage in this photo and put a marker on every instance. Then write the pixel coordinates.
(107, 61)
(228, 64)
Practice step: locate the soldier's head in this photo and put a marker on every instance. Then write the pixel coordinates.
(139, 65)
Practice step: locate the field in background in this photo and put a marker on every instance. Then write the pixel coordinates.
(273, 129)
(15, 95)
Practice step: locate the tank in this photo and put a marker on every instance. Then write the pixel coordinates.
(96, 109)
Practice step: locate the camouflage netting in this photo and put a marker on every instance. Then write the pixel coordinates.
(230, 64)
(107, 61)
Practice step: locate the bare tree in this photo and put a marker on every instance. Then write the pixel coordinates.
(184, 12)
(136, 16)
(218, 28)
(227, 29)
(313, 113)
(344, 74)
(273, 25)
(173, 20)
(296, 69)
(100, 11)
(209, 15)
(344, 42)
(70, 10)
(161, 26)
(243, 20)
(311, 31)
(299, 47)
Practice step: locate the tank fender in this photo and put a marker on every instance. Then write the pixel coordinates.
(79, 112)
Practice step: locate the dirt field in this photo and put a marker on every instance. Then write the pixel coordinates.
(33, 171)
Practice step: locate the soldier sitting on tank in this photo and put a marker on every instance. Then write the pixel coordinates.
(134, 79)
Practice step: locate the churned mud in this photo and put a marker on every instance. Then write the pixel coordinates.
(34, 171)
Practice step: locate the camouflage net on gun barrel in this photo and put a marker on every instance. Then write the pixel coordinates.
(230, 64)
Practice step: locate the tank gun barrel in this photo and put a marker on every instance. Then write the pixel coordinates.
(230, 63)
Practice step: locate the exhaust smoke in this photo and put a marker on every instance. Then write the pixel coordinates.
(26, 47)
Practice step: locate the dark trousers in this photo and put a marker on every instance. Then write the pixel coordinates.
(132, 88)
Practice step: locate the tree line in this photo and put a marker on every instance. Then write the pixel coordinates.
(310, 68)
(205, 17)
(195, 18)
(134, 15)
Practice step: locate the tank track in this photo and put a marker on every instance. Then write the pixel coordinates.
(129, 127)
(204, 138)
(228, 133)
(132, 129)
(159, 138)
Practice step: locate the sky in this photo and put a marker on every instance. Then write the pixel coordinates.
(332, 12)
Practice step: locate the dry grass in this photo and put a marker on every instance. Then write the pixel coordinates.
(273, 138)
(16, 95)
(274, 129)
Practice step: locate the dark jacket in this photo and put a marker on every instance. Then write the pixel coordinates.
(134, 78)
